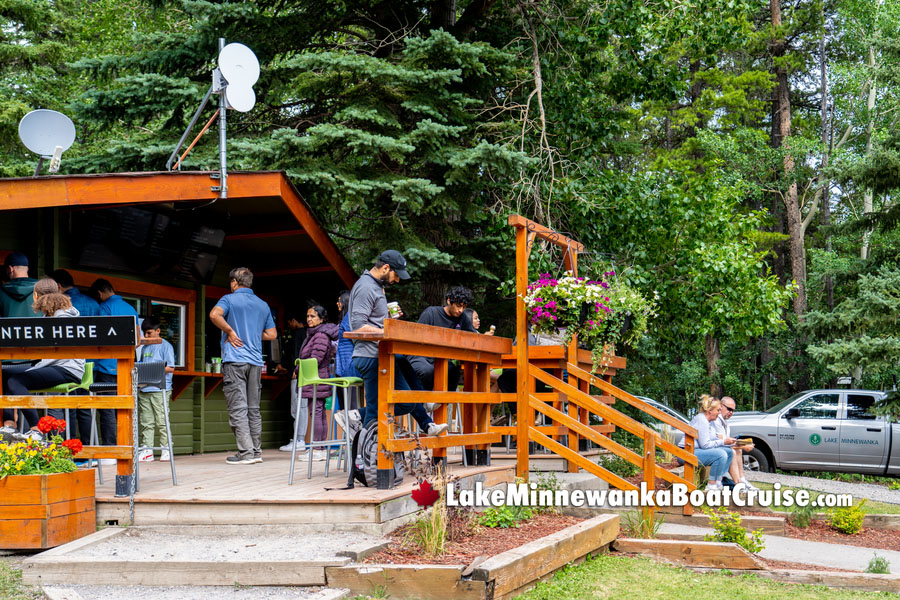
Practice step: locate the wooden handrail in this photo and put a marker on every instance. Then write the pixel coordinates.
(624, 396)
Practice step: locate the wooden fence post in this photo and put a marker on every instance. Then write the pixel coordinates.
(649, 477)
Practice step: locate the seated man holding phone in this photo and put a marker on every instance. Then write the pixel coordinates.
(736, 469)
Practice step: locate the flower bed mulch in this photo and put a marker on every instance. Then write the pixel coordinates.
(820, 531)
(484, 541)
(661, 484)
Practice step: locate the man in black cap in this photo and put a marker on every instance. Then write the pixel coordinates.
(368, 310)
(15, 294)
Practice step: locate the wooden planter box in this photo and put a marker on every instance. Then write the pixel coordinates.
(43, 511)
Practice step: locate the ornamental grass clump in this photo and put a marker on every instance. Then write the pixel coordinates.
(39, 457)
(600, 312)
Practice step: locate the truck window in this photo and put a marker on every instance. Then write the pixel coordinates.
(858, 406)
(820, 406)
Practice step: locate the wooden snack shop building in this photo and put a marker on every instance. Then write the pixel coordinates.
(167, 242)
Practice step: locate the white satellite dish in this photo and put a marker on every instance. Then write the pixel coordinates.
(239, 65)
(43, 130)
(241, 99)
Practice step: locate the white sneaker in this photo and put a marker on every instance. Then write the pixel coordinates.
(749, 485)
(437, 428)
(430, 407)
(165, 456)
(320, 455)
(108, 461)
(289, 447)
(145, 456)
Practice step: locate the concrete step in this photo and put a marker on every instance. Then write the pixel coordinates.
(199, 556)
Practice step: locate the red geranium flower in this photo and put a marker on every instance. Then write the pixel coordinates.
(59, 424)
(46, 424)
(74, 446)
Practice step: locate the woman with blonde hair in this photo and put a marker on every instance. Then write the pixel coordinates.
(48, 372)
(712, 450)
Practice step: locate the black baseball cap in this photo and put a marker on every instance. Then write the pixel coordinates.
(396, 262)
(17, 259)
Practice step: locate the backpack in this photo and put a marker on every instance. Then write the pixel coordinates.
(364, 458)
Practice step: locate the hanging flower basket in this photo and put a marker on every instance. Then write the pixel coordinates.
(601, 312)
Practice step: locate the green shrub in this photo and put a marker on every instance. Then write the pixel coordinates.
(848, 519)
(727, 526)
(505, 516)
(635, 525)
(546, 481)
(879, 565)
(802, 516)
(894, 485)
(619, 466)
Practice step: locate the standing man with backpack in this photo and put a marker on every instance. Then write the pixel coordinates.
(245, 321)
(368, 310)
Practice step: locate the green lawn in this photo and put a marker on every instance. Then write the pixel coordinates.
(11, 587)
(623, 578)
(871, 507)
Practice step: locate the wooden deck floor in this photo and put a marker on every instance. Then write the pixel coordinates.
(210, 491)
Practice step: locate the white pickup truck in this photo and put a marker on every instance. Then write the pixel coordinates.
(822, 430)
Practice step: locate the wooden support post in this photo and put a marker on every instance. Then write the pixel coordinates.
(524, 413)
(483, 420)
(469, 412)
(688, 471)
(649, 476)
(386, 366)
(124, 426)
(441, 368)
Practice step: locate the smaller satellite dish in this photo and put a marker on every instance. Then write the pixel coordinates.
(241, 99)
(239, 65)
(43, 130)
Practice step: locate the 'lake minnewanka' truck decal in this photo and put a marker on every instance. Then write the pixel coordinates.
(822, 430)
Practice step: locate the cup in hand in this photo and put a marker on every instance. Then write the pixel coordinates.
(393, 310)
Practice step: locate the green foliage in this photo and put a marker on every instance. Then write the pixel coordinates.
(429, 531)
(802, 516)
(619, 466)
(847, 519)
(878, 565)
(727, 528)
(505, 516)
(635, 525)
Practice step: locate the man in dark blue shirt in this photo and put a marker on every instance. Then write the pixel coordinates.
(87, 306)
(245, 321)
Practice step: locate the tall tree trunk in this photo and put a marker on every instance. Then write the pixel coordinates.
(827, 143)
(711, 348)
(782, 108)
(870, 127)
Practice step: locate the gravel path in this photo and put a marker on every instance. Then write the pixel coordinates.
(252, 545)
(139, 592)
(859, 490)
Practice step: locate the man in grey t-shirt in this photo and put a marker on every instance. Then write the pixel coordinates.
(368, 310)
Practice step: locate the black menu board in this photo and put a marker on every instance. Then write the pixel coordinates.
(142, 240)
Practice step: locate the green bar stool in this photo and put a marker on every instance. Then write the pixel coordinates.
(308, 374)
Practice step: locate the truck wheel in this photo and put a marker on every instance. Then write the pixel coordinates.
(756, 460)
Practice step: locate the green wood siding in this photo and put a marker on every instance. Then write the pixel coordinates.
(276, 418)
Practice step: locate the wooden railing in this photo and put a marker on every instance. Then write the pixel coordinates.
(123, 402)
(477, 353)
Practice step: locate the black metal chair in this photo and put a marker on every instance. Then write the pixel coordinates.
(154, 374)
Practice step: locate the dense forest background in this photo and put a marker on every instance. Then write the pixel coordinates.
(736, 160)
